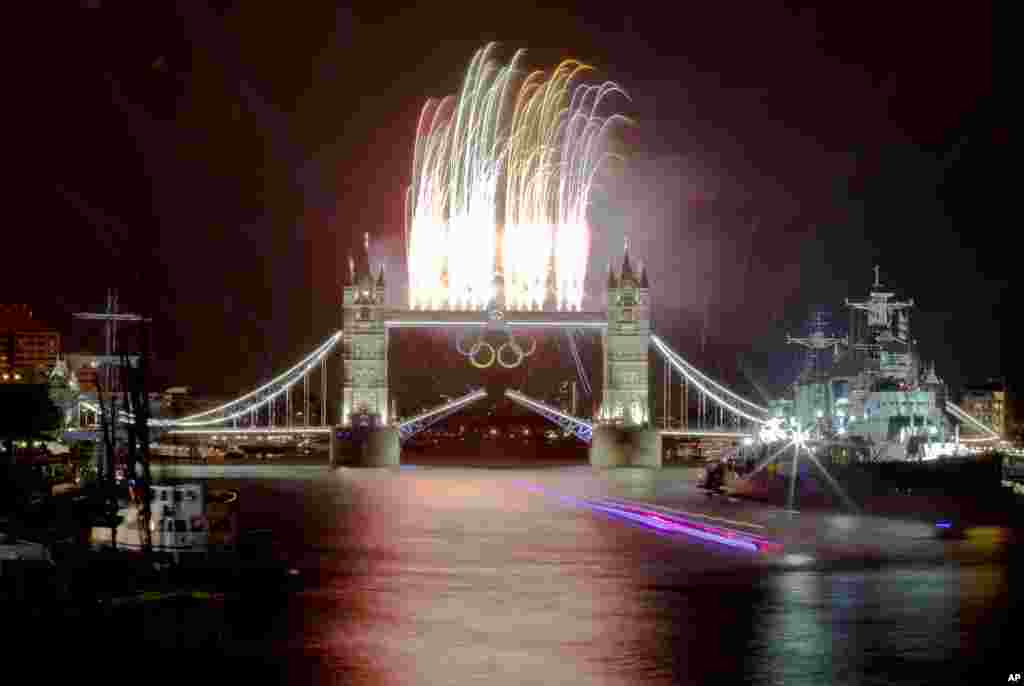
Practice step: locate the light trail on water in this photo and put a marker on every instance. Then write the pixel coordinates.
(663, 522)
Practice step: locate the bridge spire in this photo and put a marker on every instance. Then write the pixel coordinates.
(627, 270)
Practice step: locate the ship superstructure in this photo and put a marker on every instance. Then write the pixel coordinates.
(875, 386)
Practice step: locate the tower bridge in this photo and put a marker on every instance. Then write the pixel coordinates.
(625, 432)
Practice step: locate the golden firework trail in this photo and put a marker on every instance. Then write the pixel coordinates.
(501, 178)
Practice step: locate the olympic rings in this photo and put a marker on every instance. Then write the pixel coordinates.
(476, 349)
(514, 347)
(511, 344)
(496, 355)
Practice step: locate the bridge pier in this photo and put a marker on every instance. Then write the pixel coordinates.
(366, 447)
(616, 446)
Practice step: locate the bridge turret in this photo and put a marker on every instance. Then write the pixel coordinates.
(626, 277)
(612, 291)
(612, 281)
(365, 290)
(379, 287)
(350, 290)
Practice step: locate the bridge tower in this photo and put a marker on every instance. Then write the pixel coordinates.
(365, 403)
(623, 436)
(364, 349)
(625, 399)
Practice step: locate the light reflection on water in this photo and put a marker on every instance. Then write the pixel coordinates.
(451, 575)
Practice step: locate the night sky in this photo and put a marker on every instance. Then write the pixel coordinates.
(217, 164)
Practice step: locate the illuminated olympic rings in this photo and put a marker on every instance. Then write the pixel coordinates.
(514, 347)
(476, 348)
(496, 355)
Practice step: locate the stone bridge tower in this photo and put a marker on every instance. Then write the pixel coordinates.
(626, 398)
(364, 350)
(623, 436)
(367, 437)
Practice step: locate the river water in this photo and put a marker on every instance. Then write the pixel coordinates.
(445, 575)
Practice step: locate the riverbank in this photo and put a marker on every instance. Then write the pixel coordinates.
(312, 458)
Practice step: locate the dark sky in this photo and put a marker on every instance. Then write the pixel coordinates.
(217, 164)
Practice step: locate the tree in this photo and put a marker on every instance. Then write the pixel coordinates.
(26, 413)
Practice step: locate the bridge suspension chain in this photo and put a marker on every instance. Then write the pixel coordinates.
(704, 384)
(702, 380)
(254, 402)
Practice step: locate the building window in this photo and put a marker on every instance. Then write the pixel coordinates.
(627, 314)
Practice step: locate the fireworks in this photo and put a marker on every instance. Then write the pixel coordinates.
(500, 181)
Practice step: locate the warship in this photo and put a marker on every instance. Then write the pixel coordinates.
(871, 388)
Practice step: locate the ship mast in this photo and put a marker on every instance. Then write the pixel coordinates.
(879, 307)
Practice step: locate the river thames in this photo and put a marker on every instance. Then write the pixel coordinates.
(453, 575)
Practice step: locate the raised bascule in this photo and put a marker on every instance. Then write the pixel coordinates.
(498, 246)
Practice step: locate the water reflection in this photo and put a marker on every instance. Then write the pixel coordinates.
(893, 626)
(466, 586)
(440, 575)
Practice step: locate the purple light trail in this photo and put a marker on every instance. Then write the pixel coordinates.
(668, 524)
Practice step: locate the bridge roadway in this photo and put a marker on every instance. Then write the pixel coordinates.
(520, 319)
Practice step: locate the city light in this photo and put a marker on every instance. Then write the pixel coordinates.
(528, 142)
(772, 431)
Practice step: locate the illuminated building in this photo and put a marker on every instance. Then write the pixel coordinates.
(87, 371)
(27, 345)
(987, 402)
